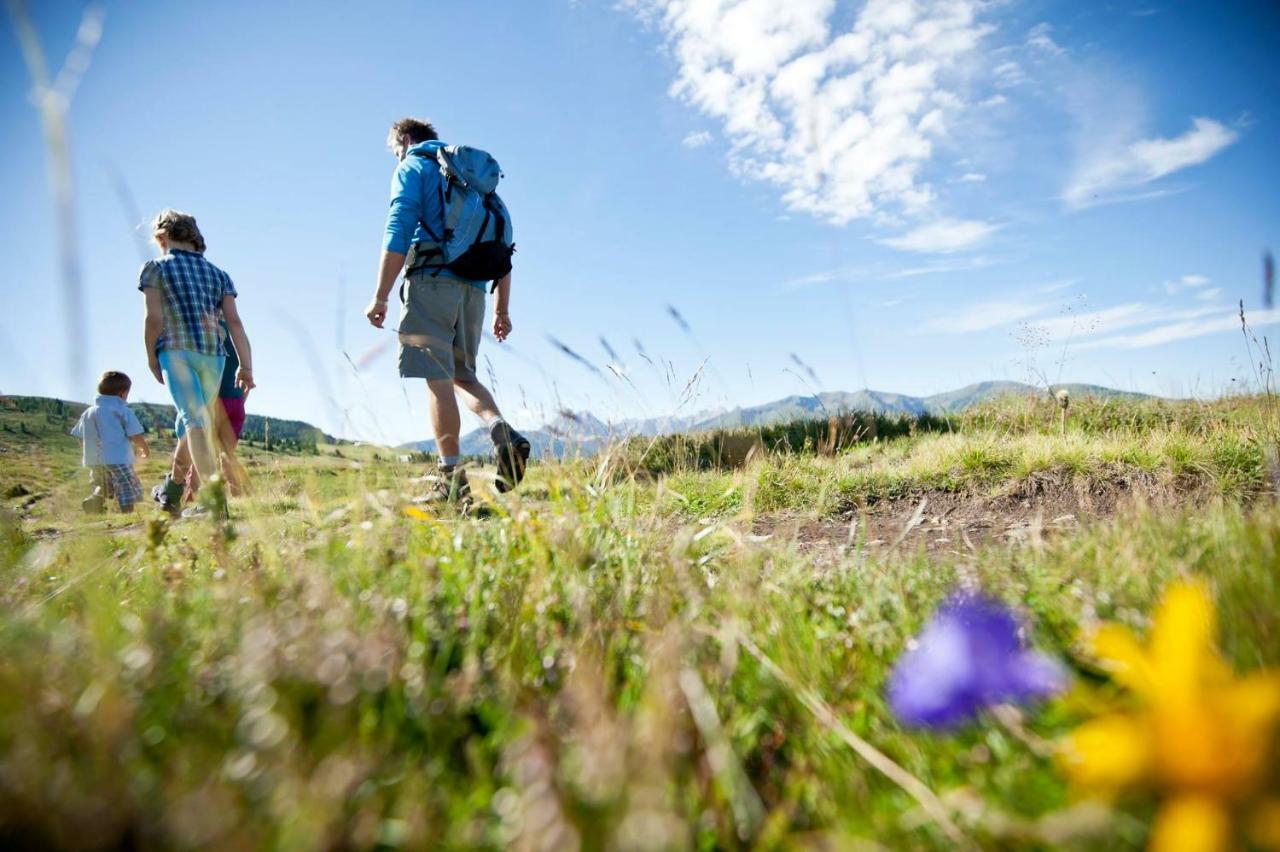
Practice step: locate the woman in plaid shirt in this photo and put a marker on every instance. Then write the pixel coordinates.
(186, 298)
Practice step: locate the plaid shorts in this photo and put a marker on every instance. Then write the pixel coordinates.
(121, 481)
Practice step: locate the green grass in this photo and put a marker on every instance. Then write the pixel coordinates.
(333, 673)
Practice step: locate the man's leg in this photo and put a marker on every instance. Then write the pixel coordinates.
(451, 484)
(445, 419)
(477, 398)
(512, 447)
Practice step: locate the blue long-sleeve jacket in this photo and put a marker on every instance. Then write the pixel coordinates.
(415, 198)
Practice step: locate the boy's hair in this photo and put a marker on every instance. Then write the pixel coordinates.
(179, 227)
(114, 383)
(417, 130)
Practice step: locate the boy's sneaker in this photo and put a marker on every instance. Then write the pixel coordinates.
(169, 495)
(448, 486)
(513, 455)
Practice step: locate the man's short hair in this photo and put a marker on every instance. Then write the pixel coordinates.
(114, 383)
(416, 129)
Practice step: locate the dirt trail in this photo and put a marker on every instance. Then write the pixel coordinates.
(959, 522)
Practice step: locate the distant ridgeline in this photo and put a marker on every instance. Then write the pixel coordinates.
(38, 417)
(573, 433)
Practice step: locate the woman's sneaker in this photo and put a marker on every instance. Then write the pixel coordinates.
(513, 455)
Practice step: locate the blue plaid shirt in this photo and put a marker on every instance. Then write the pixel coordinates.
(192, 289)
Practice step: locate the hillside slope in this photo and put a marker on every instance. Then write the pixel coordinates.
(24, 419)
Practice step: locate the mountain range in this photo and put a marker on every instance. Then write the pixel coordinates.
(582, 432)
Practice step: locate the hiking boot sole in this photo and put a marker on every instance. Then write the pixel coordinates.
(513, 458)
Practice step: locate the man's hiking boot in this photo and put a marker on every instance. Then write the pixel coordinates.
(448, 487)
(169, 495)
(513, 456)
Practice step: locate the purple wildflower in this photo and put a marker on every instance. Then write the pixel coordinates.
(968, 658)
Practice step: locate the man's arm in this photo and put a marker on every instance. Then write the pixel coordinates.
(239, 339)
(501, 307)
(402, 220)
(152, 326)
(388, 269)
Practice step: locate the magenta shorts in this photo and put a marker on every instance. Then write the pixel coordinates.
(235, 413)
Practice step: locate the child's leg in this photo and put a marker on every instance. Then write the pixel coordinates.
(232, 471)
(95, 502)
(193, 381)
(184, 471)
(128, 487)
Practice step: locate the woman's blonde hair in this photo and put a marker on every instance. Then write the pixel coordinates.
(179, 227)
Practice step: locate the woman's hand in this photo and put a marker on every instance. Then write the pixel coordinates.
(501, 326)
(154, 364)
(244, 379)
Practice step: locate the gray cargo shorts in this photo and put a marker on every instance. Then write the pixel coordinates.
(440, 327)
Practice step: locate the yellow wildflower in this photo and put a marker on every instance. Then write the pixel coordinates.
(417, 514)
(1200, 735)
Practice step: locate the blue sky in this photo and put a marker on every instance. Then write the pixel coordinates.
(909, 197)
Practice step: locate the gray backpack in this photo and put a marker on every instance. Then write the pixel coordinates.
(477, 241)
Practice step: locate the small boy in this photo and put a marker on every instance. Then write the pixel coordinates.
(109, 431)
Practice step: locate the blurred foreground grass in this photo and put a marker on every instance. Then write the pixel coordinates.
(591, 665)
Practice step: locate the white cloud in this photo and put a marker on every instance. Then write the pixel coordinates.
(972, 177)
(1007, 75)
(889, 272)
(1111, 160)
(1209, 295)
(982, 317)
(1221, 319)
(1039, 38)
(1186, 282)
(1159, 157)
(844, 273)
(1067, 324)
(943, 236)
(1113, 319)
(956, 265)
(842, 120)
(696, 140)
(1056, 286)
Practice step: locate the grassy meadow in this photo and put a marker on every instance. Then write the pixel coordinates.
(682, 642)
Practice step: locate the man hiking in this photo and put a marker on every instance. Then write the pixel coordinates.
(450, 233)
